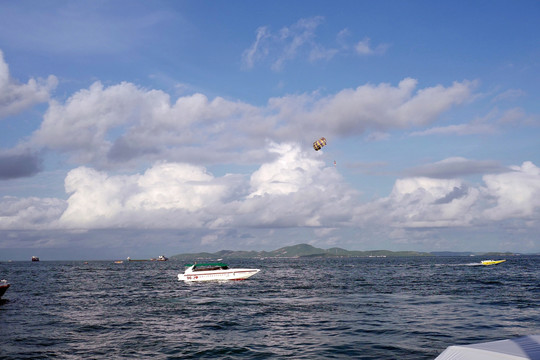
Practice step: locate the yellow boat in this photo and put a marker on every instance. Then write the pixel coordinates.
(492, 262)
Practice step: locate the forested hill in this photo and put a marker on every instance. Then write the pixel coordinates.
(301, 250)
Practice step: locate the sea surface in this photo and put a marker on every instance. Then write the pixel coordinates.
(361, 308)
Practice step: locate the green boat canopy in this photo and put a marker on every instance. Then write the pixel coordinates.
(207, 264)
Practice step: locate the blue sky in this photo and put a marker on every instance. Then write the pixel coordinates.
(136, 128)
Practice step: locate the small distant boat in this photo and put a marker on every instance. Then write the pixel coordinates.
(159, 258)
(214, 272)
(4, 285)
(492, 262)
(35, 258)
(118, 262)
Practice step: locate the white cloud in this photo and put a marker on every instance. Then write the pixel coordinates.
(297, 189)
(112, 125)
(80, 126)
(292, 171)
(364, 48)
(295, 37)
(381, 108)
(166, 195)
(300, 41)
(425, 203)
(257, 50)
(15, 97)
(516, 193)
(30, 213)
(420, 202)
(289, 43)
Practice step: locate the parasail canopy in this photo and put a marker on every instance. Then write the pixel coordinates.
(317, 145)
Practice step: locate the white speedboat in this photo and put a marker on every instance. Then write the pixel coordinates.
(215, 272)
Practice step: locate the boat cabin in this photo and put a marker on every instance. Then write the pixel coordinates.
(209, 266)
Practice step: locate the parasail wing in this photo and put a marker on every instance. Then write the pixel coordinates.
(317, 145)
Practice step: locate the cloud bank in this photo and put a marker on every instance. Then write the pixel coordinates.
(140, 160)
(295, 190)
(122, 125)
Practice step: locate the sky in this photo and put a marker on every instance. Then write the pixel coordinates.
(140, 128)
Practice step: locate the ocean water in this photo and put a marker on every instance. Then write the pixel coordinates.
(362, 308)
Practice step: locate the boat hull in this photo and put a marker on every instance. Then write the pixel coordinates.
(492, 262)
(217, 275)
(3, 288)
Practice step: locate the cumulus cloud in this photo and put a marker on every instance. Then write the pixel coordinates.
(425, 203)
(515, 193)
(16, 97)
(165, 196)
(297, 190)
(103, 125)
(293, 170)
(81, 125)
(285, 192)
(381, 108)
(421, 202)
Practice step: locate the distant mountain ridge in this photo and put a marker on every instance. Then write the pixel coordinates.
(300, 250)
(306, 250)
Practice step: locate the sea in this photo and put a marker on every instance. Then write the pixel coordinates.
(303, 308)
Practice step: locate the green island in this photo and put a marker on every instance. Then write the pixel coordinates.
(306, 250)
